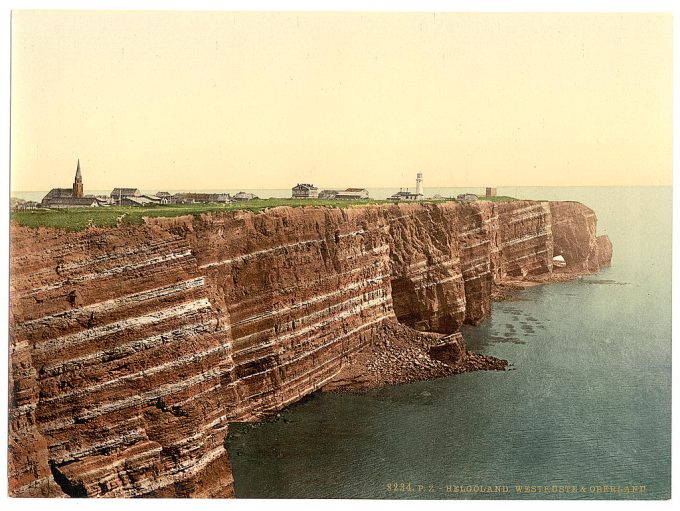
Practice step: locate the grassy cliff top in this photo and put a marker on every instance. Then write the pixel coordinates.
(76, 219)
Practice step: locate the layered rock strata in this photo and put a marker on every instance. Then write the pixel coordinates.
(131, 349)
(574, 234)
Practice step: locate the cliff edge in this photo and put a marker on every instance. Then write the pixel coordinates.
(133, 348)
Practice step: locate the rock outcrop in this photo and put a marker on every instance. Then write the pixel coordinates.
(574, 229)
(131, 349)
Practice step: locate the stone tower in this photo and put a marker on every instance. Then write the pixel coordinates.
(419, 183)
(78, 183)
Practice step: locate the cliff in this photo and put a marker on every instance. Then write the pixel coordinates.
(131, 349)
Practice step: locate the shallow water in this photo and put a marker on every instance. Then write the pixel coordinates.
(587, 402)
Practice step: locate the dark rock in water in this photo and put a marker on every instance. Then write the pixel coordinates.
(451, 351)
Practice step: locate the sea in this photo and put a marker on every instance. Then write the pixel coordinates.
(583, 413)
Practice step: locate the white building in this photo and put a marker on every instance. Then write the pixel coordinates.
(402, 195)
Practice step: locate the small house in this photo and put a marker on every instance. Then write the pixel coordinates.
(117, 194)
(29, 204)
(199, 198)
(167, 197)
(243, 196)
(352, 194)
(16, 203)
(220, 197)
(405, 195)
(305, 191)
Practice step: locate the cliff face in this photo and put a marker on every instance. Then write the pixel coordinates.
(131, 349)
(574, 229)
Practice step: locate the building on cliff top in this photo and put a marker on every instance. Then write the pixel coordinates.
(346, 194)
(243, 196)
(352, 193)
(168, 197)
(197, 198)
(305, 191)
(405, 195)
(60, 198)
(137, 201)
(490, 192)
(119, 193)
(71, 202)
(133, 197)
(26, 204)
(78, 182)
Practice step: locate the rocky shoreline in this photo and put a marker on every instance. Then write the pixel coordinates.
(400, 354)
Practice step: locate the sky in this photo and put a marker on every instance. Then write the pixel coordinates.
(225, 100)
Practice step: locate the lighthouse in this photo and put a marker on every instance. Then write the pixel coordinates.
(419, 183)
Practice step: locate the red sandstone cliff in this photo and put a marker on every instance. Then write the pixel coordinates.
(574, 229)
(131, 349)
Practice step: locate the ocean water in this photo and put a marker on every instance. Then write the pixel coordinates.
(586, 405)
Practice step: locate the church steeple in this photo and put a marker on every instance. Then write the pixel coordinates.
(78, 182)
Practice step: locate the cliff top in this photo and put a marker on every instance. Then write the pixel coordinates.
(76, 219)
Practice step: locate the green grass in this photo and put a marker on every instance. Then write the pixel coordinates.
(76, 219)
(498, 198)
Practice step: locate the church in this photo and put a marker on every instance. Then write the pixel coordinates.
(70, 197)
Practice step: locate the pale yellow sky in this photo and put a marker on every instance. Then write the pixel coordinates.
(183, 100)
